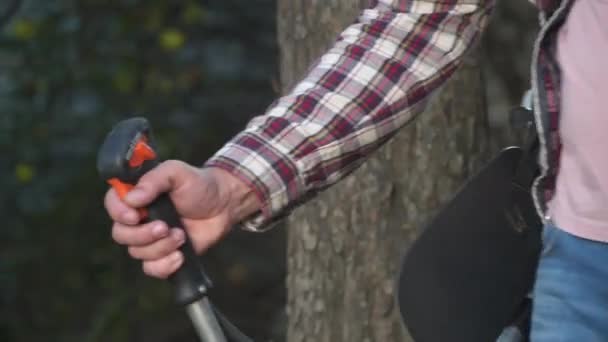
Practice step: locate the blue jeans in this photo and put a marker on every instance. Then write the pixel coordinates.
(570, 298)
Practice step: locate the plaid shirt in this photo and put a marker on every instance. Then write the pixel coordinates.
(376, 78)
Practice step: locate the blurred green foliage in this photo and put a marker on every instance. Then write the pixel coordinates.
(71, 69)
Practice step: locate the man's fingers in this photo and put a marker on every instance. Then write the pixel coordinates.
(140, 235)
(162, 268)
(155, 182)
(118, 210)
(160, 248)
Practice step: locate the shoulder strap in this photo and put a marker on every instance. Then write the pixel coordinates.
(527, 168)
(522, 117)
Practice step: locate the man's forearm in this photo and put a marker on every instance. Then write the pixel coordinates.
(377, 76)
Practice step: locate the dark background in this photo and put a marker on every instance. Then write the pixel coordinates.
(198, 70)
(69, 70)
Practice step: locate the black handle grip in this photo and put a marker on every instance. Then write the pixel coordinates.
(190, 280)
(115, 161)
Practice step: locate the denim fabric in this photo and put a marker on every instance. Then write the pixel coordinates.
(511, 334)
(571, 289)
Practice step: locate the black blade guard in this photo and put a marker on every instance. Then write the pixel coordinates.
(465, 277)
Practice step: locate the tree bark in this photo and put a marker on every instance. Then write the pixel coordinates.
(345, 246)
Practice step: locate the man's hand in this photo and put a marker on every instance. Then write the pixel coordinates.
(209, 201)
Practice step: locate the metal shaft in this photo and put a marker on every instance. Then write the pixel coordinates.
(205, 323)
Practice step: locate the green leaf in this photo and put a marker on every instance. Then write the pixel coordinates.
(124, 80)
(24, 29)
(193, 13)
(24, 173)
(154, 18)
(171, 39)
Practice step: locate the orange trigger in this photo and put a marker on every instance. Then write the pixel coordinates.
(122, 189)
(141, 153)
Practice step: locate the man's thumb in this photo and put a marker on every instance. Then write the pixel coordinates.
(155, 182)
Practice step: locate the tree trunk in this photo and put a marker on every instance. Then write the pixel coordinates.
(345, 246)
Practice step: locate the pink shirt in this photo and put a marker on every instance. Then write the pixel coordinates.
(580, 205)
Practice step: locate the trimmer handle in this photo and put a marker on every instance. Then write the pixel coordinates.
(127, 153)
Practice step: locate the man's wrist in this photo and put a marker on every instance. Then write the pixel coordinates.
(241, 199)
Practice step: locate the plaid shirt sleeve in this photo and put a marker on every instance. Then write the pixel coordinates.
(377, 76)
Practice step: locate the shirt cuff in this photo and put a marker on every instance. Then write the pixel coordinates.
(268, 171)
